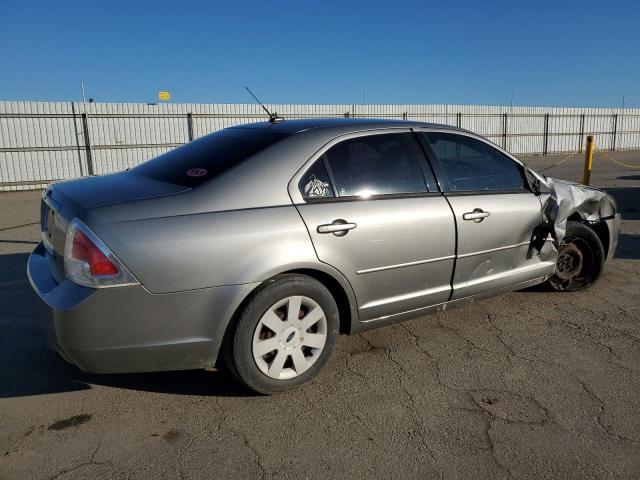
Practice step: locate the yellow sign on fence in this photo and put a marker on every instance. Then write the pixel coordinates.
(165, 96)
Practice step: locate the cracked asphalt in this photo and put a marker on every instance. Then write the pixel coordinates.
(526, 385)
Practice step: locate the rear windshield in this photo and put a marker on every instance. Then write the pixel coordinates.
(205, 158)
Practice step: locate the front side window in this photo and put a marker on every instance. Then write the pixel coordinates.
(377, 165)
(468, 164)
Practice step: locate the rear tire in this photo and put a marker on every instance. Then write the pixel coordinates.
(284, 334)
(580, 261)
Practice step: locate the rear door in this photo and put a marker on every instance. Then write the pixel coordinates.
(495, 213)
(374, 212)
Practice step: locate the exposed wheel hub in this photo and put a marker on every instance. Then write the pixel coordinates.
(569, 261)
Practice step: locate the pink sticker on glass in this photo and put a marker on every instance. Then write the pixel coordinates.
(196, 172)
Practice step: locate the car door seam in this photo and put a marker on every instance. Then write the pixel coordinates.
(455, 259)
(430, 158)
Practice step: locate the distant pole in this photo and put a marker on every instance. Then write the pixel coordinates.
(85, 131)
(511, 102)
(624, 99)
(364, 96)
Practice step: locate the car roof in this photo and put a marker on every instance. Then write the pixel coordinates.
(301, 125)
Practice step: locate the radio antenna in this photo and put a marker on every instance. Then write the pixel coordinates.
(273, 117)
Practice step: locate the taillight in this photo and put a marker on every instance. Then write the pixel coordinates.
(88, 261)
(83, 249)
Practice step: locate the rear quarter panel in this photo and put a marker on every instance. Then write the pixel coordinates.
(186, 252)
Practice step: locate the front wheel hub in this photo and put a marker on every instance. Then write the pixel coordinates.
(569, 263)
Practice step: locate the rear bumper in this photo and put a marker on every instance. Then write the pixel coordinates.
(613, 224)
(128, 329)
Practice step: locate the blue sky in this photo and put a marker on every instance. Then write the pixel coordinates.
(566, 53)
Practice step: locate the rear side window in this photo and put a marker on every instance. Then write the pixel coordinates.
(467, 164)
(377, 165)
(207, 157)
(316, 183)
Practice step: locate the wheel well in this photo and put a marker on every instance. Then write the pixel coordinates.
(339, 294)
(600, 229)
(334, 287)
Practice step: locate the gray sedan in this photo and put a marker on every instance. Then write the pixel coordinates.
(261, 243)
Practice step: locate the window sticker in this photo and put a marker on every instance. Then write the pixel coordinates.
(316, 188)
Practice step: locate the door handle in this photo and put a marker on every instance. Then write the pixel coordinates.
(338, 227)
(477, 215)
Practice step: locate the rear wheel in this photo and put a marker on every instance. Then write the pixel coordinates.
(284, 335)
(580, 259)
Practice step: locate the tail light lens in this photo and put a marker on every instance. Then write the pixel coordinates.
(88, 261)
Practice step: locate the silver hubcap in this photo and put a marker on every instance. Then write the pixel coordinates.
(289, 337)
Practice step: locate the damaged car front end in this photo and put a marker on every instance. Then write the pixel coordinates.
(572, 213)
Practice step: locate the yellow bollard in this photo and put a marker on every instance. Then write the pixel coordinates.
(588, 160)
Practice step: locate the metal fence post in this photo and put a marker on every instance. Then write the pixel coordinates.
(504, 130)
(190, 126)
(581, 133)
(76, 135)
(87, 142)
(615, 132)
(545, 140)
(459, 119)
(404, 115)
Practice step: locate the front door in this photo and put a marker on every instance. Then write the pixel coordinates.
(495, 214)
(374, 213)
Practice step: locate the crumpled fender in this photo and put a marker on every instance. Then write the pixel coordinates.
(564, 199)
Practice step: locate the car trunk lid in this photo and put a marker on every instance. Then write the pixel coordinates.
(92, 192)
(63, 201)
